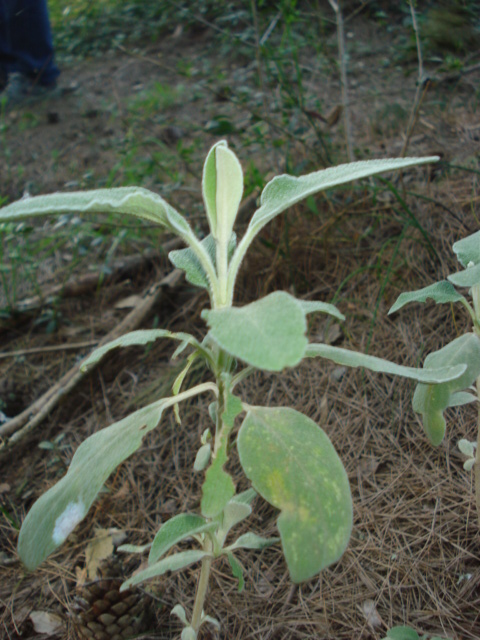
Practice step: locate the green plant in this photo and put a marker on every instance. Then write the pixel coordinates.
(432, 401)
(407, 633)
(288, 459)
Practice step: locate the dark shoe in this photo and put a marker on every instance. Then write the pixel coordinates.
(3, 79)
(21, 91)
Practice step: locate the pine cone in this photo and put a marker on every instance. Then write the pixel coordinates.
(101, 612)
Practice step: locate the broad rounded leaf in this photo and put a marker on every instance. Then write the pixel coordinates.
(468, 249)
(172, 563)
(294, 466)
(268, 334)
(135, 201)
(137, 338)
(432, 400)
(440, 292)
(402, 633)
(54, 516)
(175, 530)
(354, 359)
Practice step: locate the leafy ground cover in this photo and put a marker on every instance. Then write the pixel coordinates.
(154, 93)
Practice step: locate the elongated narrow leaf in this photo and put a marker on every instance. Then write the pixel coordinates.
(137, 338)
(294, 466)
(218, 487)
(354, 359)
(209, 186)
(468, 249)
(229, 190)
(237, 571)
(186, 260)
(252, 541)
(135, 201)
(440, 292)
(268, 334)
(469, 277)
(174, 531)
(54, 516)
(312, 306)
(432, 400)
(233, 513)
(172, 563)
(284, 191)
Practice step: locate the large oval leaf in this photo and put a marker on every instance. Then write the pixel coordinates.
(294, 466)
(135, 201)
(268, 334)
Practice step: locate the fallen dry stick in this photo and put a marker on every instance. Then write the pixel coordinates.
(16, 428)
(91, 281)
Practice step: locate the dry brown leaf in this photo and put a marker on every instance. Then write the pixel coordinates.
(129, 303)
(370, 612)
(47, 623)
(98, 549)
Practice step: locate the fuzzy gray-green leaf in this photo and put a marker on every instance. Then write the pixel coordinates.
(135, 201)
(268, 334)
(171, 563)
(174, 531)
(137, 338)
(313, 306)
(468, 249)
(432, 400)
(469, 277)
(294, 466)
(355, 359)
(54, 516)
(440, 292)
(186, 260)
(284, 191)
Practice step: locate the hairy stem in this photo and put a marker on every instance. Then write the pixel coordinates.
(202, 588)
(477, 458)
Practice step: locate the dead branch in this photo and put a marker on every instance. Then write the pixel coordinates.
(91, 281)
(16, 428)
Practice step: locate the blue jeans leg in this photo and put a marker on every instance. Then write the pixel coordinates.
(26, 43)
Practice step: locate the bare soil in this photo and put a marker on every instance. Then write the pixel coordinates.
(414, 556)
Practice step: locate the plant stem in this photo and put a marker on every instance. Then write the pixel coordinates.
(202, 588)
(344, 78)
(477, 458)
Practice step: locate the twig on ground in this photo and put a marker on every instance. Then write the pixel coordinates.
(91, 281)
(57, 347)
(16, 428)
